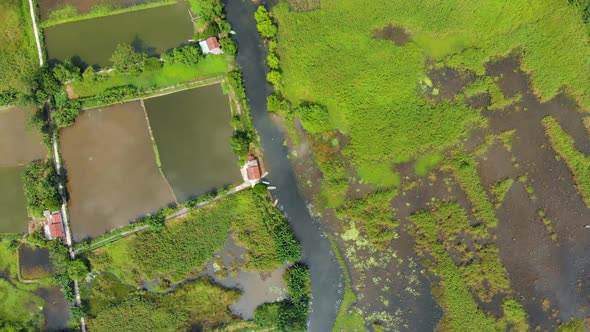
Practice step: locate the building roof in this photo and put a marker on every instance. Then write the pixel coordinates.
(253, 172)
(210, 45)
(56, 229)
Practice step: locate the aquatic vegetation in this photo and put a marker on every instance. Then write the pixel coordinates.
(460, 282)
(113, 306)
(500, 189)
(578, 163)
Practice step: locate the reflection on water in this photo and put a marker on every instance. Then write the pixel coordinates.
(93, 41)
(192, 130)
(257, 287)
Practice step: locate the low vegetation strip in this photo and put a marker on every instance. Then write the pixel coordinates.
(464, 167)
(69, 13)
(578, 163)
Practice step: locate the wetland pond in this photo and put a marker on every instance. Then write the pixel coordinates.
(192, 131)
(18, 146)
(93, 41)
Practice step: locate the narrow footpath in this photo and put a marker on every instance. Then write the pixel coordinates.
(327, 280)
(36, 32)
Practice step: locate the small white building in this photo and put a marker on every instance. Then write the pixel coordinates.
(210, 46)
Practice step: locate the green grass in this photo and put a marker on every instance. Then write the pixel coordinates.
(348, 319)
(69, 13)
(187, 243)
(18, 53)
(196, 304)
(168, 75)
(578, 163)
(372, 94)
(427, 163)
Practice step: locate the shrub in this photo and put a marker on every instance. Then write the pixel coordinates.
(66, 71)
(273, 60)
(188, 55)
(40, 187)
(66, 110)
(314, 117)
(119, 93)
(228, 46)
(260, 190)
(274, 78)
(89, 75)
(264, 23)
(277, 103)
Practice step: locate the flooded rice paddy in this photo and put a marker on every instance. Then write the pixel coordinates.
(12, 200)
(19, 145)
(192, 131)
(93, 41)
(112, 174)
(111, 163)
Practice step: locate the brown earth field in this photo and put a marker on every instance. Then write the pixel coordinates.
(548, 270)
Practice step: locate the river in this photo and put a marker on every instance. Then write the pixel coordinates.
(326, 275)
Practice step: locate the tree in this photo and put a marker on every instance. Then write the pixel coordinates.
(264, 23)
(210, 10)
(89, 75)
(314, 118)
(228, 46)
(224, 27)
(66, 71)
(66, 110)
(188, 55)
(125, 59)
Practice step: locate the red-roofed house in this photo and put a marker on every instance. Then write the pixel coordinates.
(253, 169)
(210, 45)
(54, 227)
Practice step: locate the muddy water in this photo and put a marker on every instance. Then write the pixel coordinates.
(326, 275)
(19, 144)
(34, 262)
(257, 287)
(12, 200)
(542, 269)
(93, 41)
(82, 6)
(192, 130)
(112, 173)
(55, 311)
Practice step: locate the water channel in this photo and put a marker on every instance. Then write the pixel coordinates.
(326, 275)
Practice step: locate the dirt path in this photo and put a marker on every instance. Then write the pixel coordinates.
(36, 32)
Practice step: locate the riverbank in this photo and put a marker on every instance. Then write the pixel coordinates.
(327, 280)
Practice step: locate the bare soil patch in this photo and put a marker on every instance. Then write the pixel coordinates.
(397, 35)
